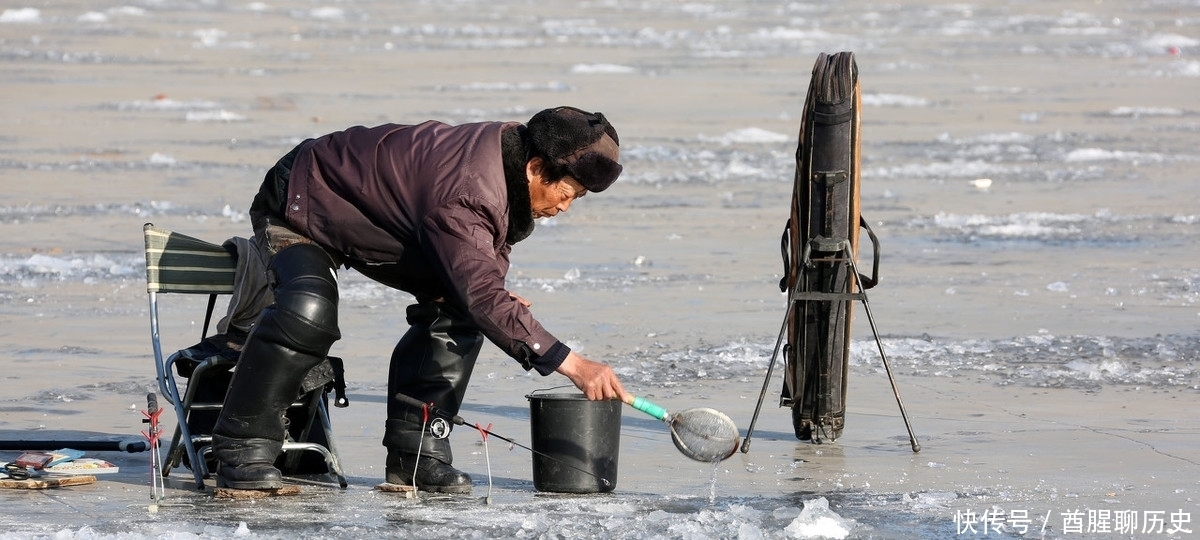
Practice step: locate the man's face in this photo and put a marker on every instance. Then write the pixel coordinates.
(547, 200)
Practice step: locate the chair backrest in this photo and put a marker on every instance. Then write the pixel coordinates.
(177, 263)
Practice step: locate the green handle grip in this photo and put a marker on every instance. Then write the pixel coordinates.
(644, 405)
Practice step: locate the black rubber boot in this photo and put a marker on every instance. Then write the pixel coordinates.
(431, 474)
(290, 338)
(247, 463)
(432, 363)
(249, 434)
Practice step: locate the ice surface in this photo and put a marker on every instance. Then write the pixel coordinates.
(937, 119)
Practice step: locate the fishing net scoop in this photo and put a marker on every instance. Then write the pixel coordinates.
(702, 434)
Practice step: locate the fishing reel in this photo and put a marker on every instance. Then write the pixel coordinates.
(439, 428)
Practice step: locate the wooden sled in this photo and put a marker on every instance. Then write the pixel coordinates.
(820, 252)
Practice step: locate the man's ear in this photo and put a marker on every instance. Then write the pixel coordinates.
(535, 169)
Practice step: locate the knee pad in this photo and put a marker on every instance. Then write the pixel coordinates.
(304, 317)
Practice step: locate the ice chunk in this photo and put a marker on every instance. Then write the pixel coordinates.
(750, 135)
(894, 100)
(21, 15)
(213, 116)
(931, 500)
(327, 13)
(816, 520)
(160, 159)
(1058, 286)
(589, 69)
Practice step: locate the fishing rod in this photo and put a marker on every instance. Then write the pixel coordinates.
(131, 446)
(458, 421)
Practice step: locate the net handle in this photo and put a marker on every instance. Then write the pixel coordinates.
(644, 405)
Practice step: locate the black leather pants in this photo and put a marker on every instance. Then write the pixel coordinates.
(290, 337)
(432, 363)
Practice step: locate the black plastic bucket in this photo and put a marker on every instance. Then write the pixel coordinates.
(575, 442)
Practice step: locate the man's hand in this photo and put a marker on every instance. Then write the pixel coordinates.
(597, 380)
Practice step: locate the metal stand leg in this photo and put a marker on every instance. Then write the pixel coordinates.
(912, 437)
(844, 256)
(766, 382)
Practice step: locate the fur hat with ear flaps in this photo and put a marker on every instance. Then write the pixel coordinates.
(584, 143)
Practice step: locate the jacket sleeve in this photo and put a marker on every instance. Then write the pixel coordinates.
(461, 239)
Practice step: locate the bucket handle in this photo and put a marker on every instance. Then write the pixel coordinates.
(532, 393)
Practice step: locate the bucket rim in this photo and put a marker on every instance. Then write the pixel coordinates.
(559, 396)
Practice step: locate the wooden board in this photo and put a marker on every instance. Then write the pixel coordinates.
(240, 494)
(386, 487)
(47, 482)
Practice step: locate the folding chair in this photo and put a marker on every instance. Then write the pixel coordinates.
(176, 263)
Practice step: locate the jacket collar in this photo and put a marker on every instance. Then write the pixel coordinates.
(520, 206)
(520, 211)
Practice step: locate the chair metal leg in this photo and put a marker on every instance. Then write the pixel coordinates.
(331, 459)
(294, 449)
(185, 435)
(174, 452)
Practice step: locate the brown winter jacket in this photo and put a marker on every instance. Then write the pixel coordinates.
(425, 209)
